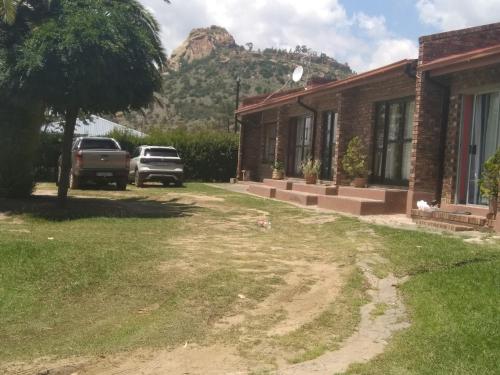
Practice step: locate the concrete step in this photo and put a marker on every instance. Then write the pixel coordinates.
(440, 215)
(278, 184)
(315, 189)
(262, 190)
(305, 199)
(443, 225)
(352, 205)
(395, 199)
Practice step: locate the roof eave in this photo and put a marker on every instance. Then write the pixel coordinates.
(350, 82)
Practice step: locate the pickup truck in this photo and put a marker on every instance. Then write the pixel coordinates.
(100, 160)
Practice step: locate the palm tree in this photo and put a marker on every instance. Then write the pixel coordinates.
(8, 10)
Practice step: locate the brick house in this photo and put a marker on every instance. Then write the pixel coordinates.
(426, 125)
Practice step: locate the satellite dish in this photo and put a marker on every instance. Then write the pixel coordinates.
(297, 74)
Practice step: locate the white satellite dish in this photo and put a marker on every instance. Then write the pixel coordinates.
(297, 74)
(296, 77)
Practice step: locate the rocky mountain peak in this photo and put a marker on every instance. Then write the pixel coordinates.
(200, 44)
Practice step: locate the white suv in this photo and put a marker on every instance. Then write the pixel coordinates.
(156, 163)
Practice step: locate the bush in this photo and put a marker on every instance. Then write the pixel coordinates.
(207, 155)
(354, 161)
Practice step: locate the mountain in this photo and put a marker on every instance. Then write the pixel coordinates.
(200, 79)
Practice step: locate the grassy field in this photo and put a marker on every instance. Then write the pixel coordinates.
(160, 268)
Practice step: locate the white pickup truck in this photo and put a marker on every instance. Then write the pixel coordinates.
(100, 160)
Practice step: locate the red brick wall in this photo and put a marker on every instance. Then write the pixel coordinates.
(469, 82)
(426, 136)
(454, 42)
(249, 156)
(357, 115)
(428, 125)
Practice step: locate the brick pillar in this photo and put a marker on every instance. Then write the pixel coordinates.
(281, 135)
(452, 150)
(240, 151)
(427, 127)
(342, 138)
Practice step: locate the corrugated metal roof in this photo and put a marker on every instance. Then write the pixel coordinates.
(94, 126)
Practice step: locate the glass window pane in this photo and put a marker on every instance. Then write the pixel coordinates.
(410, 109)
(394, 121)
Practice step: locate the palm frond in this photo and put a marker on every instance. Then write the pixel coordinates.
(8, 11)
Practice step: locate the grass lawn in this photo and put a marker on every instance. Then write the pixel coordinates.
(160, 268)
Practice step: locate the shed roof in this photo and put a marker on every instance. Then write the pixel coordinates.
(94, 126)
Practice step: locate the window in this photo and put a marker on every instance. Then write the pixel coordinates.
(328, 145)
(393, 141)
(270, 143)
(303, 142)
(161, 152)
(98, 144)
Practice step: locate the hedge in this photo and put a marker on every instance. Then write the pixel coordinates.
(207, 155)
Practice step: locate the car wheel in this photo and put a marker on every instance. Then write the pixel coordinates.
(122, 184)
(139, 181)
(74, 181)
(165, 183)
(178, 183)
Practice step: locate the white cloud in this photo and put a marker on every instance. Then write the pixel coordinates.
(457, 14)
(323, 25)
(390, 50)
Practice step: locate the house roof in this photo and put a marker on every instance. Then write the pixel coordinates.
(258, 103)
(94, 126)
(469, 60)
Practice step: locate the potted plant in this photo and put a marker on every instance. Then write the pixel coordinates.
(278, 170)
(311, 169)
(354, 163)
(488, 184)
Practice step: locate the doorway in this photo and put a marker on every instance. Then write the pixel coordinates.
(329, 133)
(393, 142)
(479, 140)
(300, 142)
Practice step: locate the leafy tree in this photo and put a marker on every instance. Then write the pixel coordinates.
(92, 56)
(21, 109)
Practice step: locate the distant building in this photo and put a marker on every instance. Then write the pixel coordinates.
(94, 126)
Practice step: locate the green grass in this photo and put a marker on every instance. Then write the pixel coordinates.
(156, 267)
(453, 301)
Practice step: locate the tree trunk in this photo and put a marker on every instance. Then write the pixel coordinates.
(69, 131)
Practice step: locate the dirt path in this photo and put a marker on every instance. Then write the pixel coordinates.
(372, 334)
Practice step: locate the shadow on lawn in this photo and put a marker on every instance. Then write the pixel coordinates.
(47, 207)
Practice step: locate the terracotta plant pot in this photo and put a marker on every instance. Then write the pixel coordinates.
(278, 175)
(311, 179)
(359, 182)
(247, 175)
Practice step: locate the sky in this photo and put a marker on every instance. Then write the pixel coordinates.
(364, 33)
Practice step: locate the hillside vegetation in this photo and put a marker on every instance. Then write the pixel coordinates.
(200, 81)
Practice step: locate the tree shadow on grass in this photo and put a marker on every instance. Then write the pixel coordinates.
(48, 208)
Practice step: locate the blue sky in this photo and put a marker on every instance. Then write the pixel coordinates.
(364, 33)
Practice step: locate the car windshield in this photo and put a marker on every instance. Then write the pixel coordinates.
(161, 152)
(98, 144)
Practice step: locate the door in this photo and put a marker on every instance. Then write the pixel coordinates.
(479, 140)
(393, 142)
(328, 144)
(300, 144)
